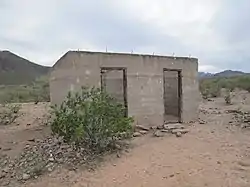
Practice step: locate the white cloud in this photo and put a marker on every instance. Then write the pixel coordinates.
(186, 19)
(209, 68)
(43, 30)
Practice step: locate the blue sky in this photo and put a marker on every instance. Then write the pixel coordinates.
(215, 31)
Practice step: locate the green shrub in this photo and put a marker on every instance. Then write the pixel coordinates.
(8, 114)
(90, 118)
(215, 90)
(227, 97)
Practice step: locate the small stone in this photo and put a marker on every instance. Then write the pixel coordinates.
(172, 175)
(137, 134)
(142, 127)
(117, 146)
(26, 176)
(50, 169)
(160, 127)
(79, 155)
(2, 175)
(6, 170)
(173, 126)
(70, 149)
(182, 131)
(51, 159)
(158, 134)
(153, 127)
(165, 131)
(143, 132)
(202, 122)
(28, 124)
(60, 160)
(178, 134)
(38, 140)
(32, 140)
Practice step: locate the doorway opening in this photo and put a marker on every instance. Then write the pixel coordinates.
(114, 82)
(172, 83)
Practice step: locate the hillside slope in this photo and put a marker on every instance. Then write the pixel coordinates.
(15, 70)
(229, 73)
(226, 73)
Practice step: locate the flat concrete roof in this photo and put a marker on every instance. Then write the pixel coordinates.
(127, 54)
(132, 54)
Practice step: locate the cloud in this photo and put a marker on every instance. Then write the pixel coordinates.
(215, 31)
(209, 68)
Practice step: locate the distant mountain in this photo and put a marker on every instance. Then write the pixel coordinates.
(229, 73)
(17, 70)
(226, 73)
(205, 75)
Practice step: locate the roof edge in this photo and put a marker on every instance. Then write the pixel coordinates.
(63, 56)
(133, 54)
(123, 54)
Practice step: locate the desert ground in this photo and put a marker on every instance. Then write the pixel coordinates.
(215, 152)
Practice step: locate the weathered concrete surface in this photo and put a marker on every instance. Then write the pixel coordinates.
(145, 90)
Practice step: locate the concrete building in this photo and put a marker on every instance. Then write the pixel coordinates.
(153, 88)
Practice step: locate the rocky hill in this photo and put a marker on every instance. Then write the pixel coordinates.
(15, 70)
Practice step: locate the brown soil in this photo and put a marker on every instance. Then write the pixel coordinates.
(214, 154)
(29, 125)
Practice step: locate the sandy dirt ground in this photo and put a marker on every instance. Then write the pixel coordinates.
(29, 125)
(214, 154)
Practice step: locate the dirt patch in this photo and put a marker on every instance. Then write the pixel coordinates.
(31, 124)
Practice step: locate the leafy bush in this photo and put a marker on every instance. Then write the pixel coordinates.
(208, 89)
(8, 114)
(91, 118)
(227, 97)
(215, 91)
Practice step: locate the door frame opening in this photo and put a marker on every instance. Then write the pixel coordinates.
(180, 94)
(124, 72)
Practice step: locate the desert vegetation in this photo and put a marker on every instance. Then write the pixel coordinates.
(8, 113)
(37, 91)
(87, 125)
(211, 87)
(91, 118)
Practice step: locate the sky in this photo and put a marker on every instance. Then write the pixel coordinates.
(217, 32)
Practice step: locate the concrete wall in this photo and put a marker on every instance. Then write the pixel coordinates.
(145, 88)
